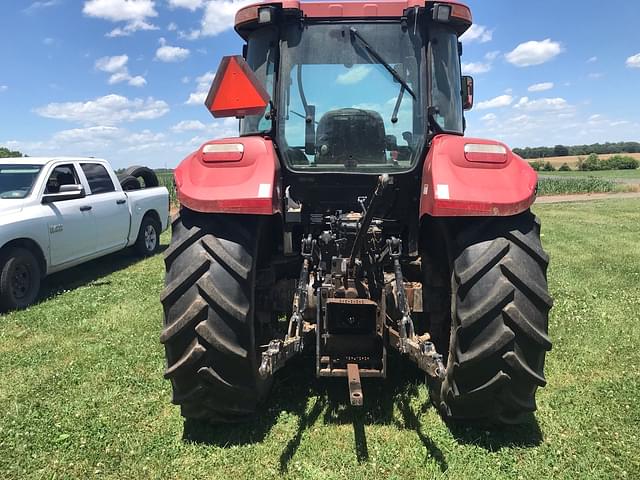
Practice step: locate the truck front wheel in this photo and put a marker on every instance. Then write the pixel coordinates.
(500, 310)
(19, 279)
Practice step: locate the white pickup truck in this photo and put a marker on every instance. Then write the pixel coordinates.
(59, 212)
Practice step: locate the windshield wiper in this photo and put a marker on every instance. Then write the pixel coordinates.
(383, 62)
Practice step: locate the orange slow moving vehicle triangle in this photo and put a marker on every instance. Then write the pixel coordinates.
(236, 91)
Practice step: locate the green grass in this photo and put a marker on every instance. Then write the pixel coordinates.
(82, 394)
(610, 174)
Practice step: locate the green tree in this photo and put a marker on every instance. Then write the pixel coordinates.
(6, 153)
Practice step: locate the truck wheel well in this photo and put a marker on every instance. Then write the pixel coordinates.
(30, 245)
(153, 214)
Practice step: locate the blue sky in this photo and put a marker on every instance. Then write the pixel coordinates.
(125, 79)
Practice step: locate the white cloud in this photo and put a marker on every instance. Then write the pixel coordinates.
(169, 54)
(189, 4)
(489, 117)
(219, 15)
(108, 110)
(48, 41)
(498, 102)
(137, 81)
(491, 56)
(634, 61)
(592, 60)
(475, 68)
(117, 66)
(172, 27)
(36, 6)
(477, 33)
(534, 53)
(541, 87)
(188, 126)
(3, 88)
(130, 28)
(203, 83)
(120, 10)
(355, 75)
(543, 104)
(112, 64)
(134, 12)
(596, 76)
(85, 135)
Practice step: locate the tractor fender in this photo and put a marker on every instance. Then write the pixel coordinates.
(474, 177)
(232, 175)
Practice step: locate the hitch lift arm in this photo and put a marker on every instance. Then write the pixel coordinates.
(418, 348)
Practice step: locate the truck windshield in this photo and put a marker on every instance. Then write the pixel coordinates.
(16, 181)
(351, 97)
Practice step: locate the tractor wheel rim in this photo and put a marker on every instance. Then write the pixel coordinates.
(150, 237)
(21, 281)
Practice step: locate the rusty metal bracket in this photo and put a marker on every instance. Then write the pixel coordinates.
(420, 350)
(279, 351)
(355, 387)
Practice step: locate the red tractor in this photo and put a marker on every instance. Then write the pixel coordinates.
(352, 217)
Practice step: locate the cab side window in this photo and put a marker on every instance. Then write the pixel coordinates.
(61, 175)
(98, 178)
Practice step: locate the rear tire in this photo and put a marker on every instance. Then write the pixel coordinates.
(19, 279)
(148, 241)
(209, 303)
(500, 310)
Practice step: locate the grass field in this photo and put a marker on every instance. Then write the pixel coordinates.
(82, 393)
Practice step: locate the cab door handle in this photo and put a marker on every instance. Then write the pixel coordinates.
(121, 201)
(85, 208)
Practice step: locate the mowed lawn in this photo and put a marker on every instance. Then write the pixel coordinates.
(82, 394)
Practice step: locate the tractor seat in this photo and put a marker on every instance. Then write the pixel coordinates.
(350, 136)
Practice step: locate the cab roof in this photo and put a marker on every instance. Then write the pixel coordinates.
(329, 9)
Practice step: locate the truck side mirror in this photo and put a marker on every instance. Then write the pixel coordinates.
(467, 92)
(67, 192)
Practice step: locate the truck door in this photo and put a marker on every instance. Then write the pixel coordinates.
(110, 208)
(70, 222)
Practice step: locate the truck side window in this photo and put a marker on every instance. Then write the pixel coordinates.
(61, 175)
(98, 178)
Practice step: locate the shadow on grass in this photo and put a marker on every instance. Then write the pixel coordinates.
(524, 435)
(293, 388)
(296, 384)
(89, 273)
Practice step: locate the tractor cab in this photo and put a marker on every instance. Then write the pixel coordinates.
(353, 87)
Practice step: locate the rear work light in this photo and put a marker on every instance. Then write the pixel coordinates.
(448, 12)
(485, 153)
(222, 152)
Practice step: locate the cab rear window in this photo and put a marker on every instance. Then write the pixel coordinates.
(98, 178)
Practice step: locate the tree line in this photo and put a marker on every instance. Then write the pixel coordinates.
(577, 150)
(6, 153)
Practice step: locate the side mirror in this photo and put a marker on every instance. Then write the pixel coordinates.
(391, 143)
(236, 91)
(467, 92)
(67, 192)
